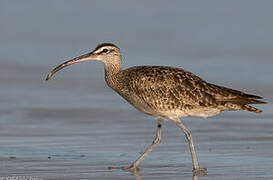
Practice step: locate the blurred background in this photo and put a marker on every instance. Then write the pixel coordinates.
(225, 42)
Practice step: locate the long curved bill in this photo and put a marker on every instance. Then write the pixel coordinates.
(85, 57)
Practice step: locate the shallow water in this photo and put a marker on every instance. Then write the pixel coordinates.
(80, 143)
(74, 126)
(69, 128)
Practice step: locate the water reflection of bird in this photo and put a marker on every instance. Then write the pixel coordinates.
(165, 93)
(138, 176)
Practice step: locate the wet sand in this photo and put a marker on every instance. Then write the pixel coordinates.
(80, 147)
(55, 134)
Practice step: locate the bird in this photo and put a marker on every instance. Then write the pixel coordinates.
(166, 93)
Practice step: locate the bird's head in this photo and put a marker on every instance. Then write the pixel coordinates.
(106, 52)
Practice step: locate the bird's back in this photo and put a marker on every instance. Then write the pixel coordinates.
(166, 91)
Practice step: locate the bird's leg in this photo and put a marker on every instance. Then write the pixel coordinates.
(134, 166)
(150, 148)
(196, 168)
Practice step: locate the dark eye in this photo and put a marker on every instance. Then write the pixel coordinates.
(105, 50)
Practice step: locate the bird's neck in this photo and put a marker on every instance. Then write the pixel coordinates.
(111, 70)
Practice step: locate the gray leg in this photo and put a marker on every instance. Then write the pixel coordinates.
(155, 143)
(134, 166)
(196, 168)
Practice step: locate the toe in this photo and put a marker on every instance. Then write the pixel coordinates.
(200, 172)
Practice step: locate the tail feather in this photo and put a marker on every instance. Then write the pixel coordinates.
(234, 99)
(251, 108)
(242, 102)
(251, 96)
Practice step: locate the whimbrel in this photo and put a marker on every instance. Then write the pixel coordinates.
(165, 93)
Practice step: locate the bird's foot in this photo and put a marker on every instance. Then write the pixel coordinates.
(200, 171)
(125, 168)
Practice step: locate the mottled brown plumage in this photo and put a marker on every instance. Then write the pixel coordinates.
(163, 88)
(166, 93)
